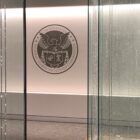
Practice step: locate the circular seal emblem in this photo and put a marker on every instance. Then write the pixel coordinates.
(55, 49)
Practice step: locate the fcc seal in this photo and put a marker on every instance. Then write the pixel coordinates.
(55, 49)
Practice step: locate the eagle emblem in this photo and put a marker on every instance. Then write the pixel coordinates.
(55, 48)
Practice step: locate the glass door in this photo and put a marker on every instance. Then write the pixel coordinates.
(57, 55)
(119, 71)
(11, 70)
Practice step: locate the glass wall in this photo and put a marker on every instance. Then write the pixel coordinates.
(57, 48)
(119, 66)
(11, 70)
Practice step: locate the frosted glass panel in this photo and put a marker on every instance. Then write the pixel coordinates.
(119, 76)
(114, 90)
(11, 70)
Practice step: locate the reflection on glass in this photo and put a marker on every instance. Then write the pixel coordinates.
(119, 76)
(11, 70)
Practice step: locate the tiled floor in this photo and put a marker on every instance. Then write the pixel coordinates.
(119, 133)
(71, 131)
(14, 130)
(56, 131)
(66, 131)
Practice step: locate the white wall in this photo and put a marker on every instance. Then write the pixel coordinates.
(73, 81)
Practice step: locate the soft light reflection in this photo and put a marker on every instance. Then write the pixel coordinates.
(14, 13)
(51, 12)
(119, 8)
(58, 93)
(69, 11)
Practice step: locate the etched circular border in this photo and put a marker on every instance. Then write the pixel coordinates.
(40, 63)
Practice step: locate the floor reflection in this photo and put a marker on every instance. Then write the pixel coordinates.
(56, 131)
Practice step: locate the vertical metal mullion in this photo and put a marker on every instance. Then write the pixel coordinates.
(98, 61)
(88, 94)
(25, 70)
(98, 79)
(5, 71)
(1, 66)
